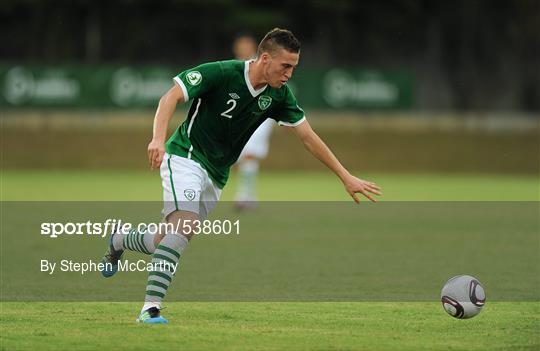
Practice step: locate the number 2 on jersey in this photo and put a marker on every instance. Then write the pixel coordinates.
(233, 105)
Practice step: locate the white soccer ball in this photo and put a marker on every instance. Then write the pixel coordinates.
(463, 296)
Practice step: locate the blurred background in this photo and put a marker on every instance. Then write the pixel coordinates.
(446, 92)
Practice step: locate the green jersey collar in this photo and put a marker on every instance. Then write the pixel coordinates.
(252, 90)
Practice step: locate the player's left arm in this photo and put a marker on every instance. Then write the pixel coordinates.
(353, 185)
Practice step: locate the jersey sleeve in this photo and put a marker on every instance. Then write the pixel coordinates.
(197, 81)
(291, 114)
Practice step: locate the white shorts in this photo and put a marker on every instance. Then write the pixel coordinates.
(187, 187)
(258, 143)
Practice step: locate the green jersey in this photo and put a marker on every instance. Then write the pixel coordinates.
(225, 112)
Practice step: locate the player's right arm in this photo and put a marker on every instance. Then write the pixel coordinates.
(164, 113)
(190, 84)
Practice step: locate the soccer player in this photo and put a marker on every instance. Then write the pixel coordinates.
(245, 48)
(231, 99)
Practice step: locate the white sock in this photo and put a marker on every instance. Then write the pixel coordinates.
(247, 176)
(135, 241)
(118, 240)
(169, 250)
(148, 305)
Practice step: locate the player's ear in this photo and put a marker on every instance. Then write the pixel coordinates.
(265, 57)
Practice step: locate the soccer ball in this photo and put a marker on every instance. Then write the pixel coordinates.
(463, 296)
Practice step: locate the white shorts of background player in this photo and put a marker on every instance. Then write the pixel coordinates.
(259, 142)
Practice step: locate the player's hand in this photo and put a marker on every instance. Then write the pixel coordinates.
(355, 185)
(156, 150)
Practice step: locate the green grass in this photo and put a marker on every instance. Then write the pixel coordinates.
(345, 253)
(269, 326)
(333, 251)
(310, 186)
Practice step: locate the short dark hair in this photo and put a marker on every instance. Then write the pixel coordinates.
(278, 38)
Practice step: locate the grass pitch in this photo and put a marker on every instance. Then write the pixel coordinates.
(46, 185)
(407, 325)
(269, 326)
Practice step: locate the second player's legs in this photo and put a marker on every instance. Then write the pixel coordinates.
(248, 164)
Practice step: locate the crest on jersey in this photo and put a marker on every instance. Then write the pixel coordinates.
(264, 102)
(190, 194)
(194, 78)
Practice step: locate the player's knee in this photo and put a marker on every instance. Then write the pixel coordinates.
(187, 231)
(183, 223)
(249, 157)
(182, 227)
(157, 238)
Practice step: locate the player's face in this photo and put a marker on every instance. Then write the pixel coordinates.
(244, 48)
(280, 67)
